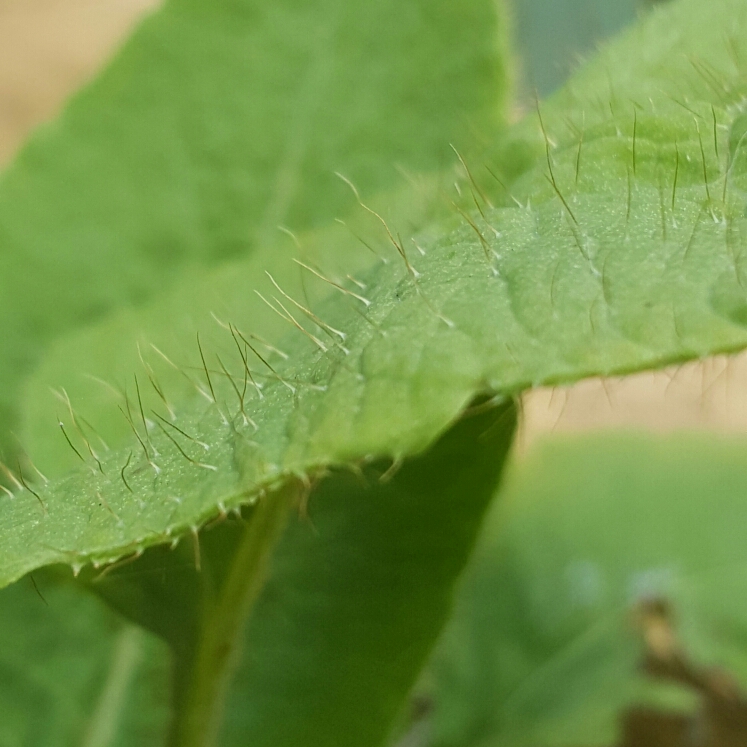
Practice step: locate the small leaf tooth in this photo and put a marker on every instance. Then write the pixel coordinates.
(196, 543)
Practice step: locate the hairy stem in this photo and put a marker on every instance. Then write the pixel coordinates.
(218, 645)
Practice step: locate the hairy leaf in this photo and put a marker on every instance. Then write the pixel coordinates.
(93, 371)
(217, 122)
(626, 257)
(356, 593)
(683, 52)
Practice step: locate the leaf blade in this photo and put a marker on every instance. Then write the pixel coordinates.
(615, 270)
(355, 595)
(74, 674)
(217, 122)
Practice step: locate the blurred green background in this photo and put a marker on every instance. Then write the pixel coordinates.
(553, 34)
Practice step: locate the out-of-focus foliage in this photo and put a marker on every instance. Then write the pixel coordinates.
(72, 673)
(546, 645)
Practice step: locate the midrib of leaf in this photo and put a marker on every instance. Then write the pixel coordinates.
(202, 682)
(309, 98)
(125, 659)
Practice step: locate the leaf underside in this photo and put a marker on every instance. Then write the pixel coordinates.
(356, 594)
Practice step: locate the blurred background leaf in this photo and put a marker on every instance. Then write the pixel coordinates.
(544, 649)
(72, 673)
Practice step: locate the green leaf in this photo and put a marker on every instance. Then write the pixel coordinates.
(623, 251)
(72, 674)
(94, 369)
(627, 258)
(683, 52)
(543, 649)
(217, 122)
(356, 594)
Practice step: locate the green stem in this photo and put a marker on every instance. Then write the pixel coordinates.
(218, 646)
